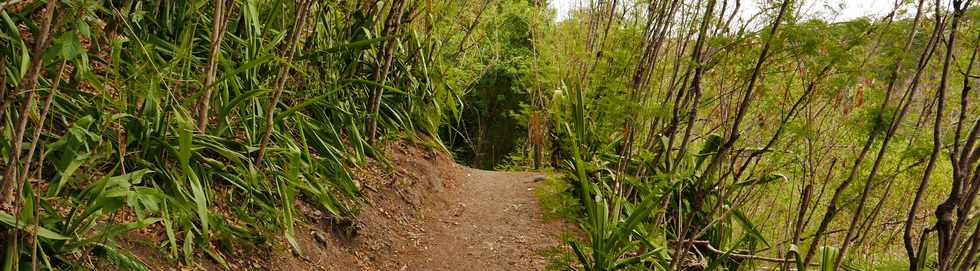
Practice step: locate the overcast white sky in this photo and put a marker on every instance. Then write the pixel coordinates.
(850, 8)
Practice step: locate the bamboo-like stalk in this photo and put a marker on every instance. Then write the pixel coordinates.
(27, 85)
(301, 12)
(221, 15)
(384, 59)
(39, 125)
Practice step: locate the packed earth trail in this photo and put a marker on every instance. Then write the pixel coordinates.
(426, 212)
(496, 224)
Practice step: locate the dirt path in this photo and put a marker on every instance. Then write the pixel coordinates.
(428, 213)
(494, 224)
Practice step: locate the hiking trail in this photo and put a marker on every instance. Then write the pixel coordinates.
(430, 213)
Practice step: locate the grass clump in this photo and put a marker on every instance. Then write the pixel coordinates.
(555, 195)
